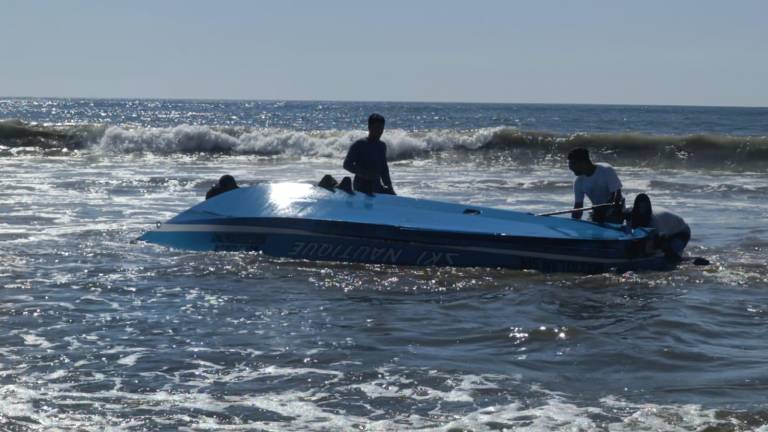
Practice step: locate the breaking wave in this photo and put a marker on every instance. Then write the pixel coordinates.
(534, 146)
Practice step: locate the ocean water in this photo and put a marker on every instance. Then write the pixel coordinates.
(98, 332)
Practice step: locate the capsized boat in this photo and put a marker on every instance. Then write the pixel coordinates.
(304, 221)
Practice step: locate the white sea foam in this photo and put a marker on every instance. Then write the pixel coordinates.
(308, 407)
(401, 144)
(129, 360)
(30, 339)
(56, 374)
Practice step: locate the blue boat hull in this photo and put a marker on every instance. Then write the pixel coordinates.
(305, 222)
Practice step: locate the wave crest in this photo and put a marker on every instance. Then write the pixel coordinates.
(522, 146)
(271, 142)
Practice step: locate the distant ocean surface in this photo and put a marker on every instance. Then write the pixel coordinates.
(100, 333)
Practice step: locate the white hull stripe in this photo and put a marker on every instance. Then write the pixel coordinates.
(180, 228)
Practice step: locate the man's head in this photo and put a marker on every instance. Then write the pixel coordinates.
(579, 162)
(642, 211)
(227, 182)
(375, 125)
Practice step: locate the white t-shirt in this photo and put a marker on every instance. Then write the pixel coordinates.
(599, 186)
(667, 223)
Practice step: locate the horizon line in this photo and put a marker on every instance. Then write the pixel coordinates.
(225, 99)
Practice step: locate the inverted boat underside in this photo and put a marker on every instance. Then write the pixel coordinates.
(302, 221)
(364, 243)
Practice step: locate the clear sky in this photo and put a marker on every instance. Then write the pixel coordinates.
(608, 51)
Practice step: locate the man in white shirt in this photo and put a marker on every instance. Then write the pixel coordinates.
(599, 182)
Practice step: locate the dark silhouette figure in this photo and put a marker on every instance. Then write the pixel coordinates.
(367, 160)
(226, 183)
